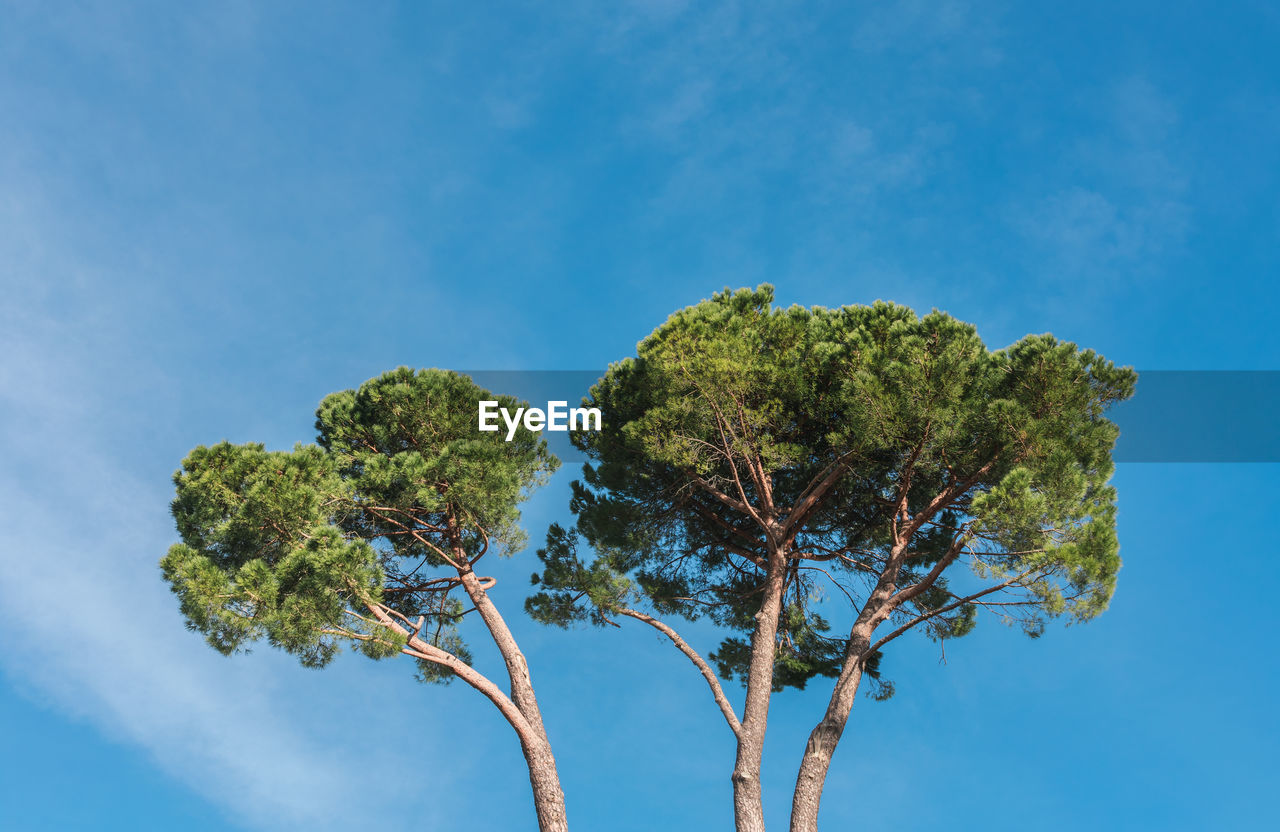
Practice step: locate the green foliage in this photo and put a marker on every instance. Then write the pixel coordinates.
(296, 547)
(576, 592)
(735, 398)
(804, 651)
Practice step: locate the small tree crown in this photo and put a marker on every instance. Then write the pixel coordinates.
(295, 547)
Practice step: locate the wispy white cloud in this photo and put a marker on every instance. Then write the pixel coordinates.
(1087, 229)
(942, 30)
(1124, 203)
(87, 632)
(88, 627)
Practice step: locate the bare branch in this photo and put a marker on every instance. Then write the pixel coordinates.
(920, 619)
(953, 551)
(420, 649)
(812, 496)
(716, 690)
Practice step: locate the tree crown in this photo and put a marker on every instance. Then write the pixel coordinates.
(295, 546)
(853, 446)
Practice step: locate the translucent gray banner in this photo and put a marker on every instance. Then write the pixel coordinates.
(1175, 416)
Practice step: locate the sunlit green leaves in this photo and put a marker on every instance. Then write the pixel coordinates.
(294, 547)
(892, 401)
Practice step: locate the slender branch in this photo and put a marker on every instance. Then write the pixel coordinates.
(812, 495)
(433, 585)
(852, 602)
(945, 497)
(953, 551)
(920, 619)
(420, 649)
(721, 424)
(755, 464)
(723, 497)
(415, 518)
(904, 489)
(416, 536)
(720, 521)
(716, 690)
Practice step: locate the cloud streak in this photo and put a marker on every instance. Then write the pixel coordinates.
(88, 627)
(1128, 204)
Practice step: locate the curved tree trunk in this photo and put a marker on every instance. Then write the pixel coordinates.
(748, 803)
(548, 797)
(517, 666)
(824, 738)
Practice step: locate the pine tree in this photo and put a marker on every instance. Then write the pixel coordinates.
(367, 538)
(754, 459)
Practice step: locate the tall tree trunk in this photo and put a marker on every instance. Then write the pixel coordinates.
(517, 666)
(825, 736)
(748, 803)
(548, 797)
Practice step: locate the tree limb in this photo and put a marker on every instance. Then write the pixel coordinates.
(716, 690)
(920, 619)
(420, 649)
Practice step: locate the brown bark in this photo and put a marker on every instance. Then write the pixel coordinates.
(824, 738)
(521, 709)
(418, 648)
(879, 606)
(548, 797)
(717, 692)
(748, 803)
(517, 666)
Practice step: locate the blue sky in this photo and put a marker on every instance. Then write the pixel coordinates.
(212, 215)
